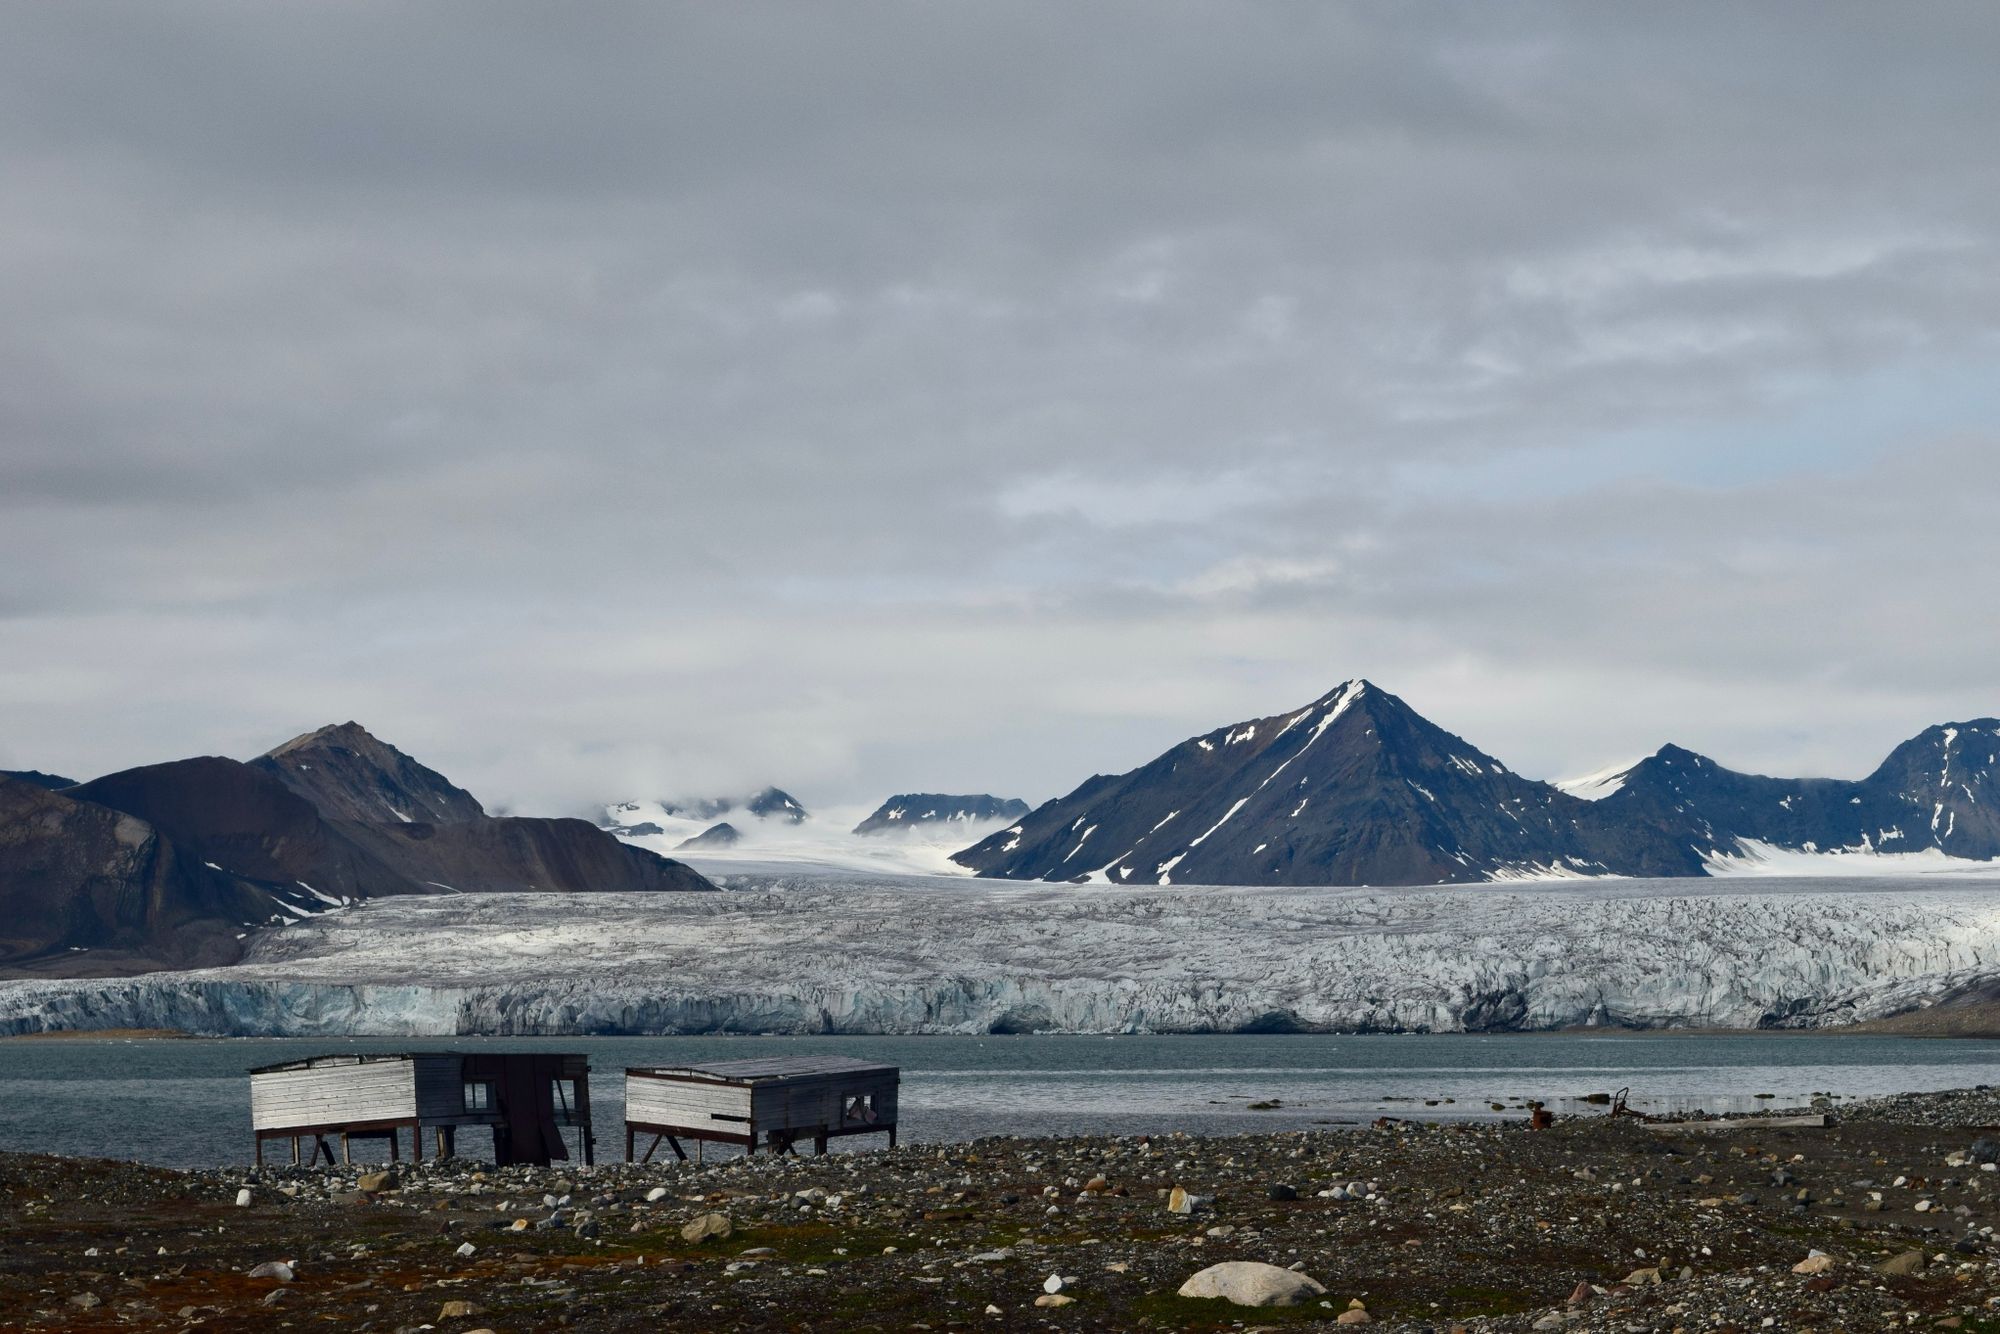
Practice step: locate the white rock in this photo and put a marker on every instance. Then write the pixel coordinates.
(277, 1269)
(243, 1198)
(656, 1194)
(465, 1251)
(1248, 1283)
(1053, 1283)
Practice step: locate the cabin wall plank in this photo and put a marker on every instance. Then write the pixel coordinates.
(330, 1095)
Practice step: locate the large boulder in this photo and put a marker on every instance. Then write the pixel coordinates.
(1248, 1283)
(709, 1227)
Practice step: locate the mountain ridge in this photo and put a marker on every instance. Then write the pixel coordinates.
(215, 844)
(908, 810)
(1375, 794)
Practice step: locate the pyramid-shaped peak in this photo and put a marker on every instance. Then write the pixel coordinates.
(351, 774)
(349, 733)
(1347, 691)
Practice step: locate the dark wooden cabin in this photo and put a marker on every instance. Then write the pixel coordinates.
(775, 1101)
(529, 1100)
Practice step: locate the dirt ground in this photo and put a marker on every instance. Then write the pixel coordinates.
(1594, 1224)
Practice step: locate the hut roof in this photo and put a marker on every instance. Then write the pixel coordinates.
(758, 1068)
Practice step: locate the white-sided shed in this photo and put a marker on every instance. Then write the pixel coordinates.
(774, 1101)
(529, 1100)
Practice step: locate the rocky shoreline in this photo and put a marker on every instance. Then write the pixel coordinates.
(1883, 1220)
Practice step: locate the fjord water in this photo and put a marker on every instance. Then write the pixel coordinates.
(185, 1102)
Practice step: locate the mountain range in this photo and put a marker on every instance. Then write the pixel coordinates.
(910, 810)
(642, 818)
(1357, 788)
(169, 865)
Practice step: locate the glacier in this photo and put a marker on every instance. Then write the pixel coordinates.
(825, 951)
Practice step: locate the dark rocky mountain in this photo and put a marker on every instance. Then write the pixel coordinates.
(248, 822)
(51, 782)
(349, 775)
(89, 891)
(724, 835)
(774, 804)
(165, 864)
(1935, 791)
(912, 809)
(627, 818)
(521, 853)
(1356, 788)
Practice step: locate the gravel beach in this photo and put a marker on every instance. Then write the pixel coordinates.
(1881, 1221)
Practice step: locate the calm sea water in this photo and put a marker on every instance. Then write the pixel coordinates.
(185, 1103)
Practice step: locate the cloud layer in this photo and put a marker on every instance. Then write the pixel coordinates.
(650, 399)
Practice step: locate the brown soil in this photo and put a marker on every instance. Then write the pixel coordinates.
(1475, 1227)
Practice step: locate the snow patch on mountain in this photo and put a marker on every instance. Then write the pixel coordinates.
(1755, 858)
(1601, 784)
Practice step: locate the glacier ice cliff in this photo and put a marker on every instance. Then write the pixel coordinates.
(796, 953)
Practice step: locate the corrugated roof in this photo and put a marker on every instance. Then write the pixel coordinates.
(772, 1067)
(363, 1058)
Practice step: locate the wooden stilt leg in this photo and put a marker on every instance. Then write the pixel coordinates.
(650, 1147)
(346, 1151)
(260, 1151)
(295, 1151)
(395, 1145)
(819, 1143)
(679, 1152)
(628, 1143)
(892, 1137)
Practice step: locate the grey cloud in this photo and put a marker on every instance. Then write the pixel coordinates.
(659, 397)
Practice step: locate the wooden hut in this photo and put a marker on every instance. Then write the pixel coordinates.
(772, 1100)
(528, 1099)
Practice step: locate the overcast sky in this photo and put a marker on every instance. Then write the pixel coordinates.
(604, 401)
